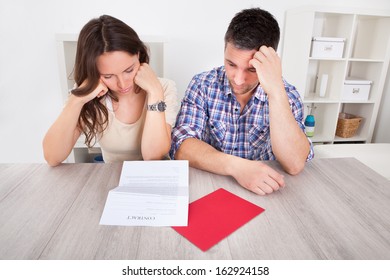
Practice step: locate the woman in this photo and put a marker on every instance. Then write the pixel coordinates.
(118, 101)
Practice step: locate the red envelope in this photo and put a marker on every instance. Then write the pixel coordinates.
(215, 216)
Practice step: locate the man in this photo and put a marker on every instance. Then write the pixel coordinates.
(234, 117)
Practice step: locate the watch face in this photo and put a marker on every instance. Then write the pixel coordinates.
(161, 106)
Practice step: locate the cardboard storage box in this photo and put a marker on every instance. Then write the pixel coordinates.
(327, 47)
(356, 90)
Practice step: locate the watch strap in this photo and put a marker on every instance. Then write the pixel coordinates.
(159, 106)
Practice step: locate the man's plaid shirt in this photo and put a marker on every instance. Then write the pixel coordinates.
(210, 112)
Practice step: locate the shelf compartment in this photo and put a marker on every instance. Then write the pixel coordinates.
(335, 70)
(85, 155)
(362, 110)
(333, 25)
(370, 71)
(326, 120)
(371, 37)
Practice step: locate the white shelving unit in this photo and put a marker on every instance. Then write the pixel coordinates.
(366, 55)
(66, 50)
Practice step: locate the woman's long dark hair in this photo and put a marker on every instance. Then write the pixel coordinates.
(100, 35)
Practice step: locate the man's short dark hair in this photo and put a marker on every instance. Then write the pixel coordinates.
(252, 28)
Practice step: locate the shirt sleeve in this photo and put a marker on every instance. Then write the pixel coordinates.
(297, 109)
(191, 120)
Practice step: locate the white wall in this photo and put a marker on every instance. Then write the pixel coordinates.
(30, 98)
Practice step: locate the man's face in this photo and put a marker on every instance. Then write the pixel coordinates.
(242, 76)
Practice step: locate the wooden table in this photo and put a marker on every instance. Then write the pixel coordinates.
(374, 155)
(335, 209)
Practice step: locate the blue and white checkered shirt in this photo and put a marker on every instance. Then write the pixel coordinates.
(210, 112)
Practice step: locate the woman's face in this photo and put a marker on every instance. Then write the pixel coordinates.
(117, 70)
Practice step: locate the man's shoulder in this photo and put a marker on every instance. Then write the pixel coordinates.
(214, 75)
(290, 89)
(292, 93)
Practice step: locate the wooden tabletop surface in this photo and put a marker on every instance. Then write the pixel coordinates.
(337, 208)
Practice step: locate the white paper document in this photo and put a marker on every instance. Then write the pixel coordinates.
(150, 193)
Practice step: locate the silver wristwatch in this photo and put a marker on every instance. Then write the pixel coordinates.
(159, 106)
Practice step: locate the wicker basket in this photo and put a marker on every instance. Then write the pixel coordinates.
(347, 125)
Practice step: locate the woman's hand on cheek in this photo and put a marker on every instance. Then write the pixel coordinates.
(146, 79)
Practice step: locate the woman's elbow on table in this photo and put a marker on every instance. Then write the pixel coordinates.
(51, 160)
(154, 155)
(52, 163)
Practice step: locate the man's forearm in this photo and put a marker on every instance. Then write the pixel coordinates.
(205, 157)
(289, 143)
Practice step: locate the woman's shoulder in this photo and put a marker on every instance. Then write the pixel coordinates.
(166, 82)
(169, 86)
